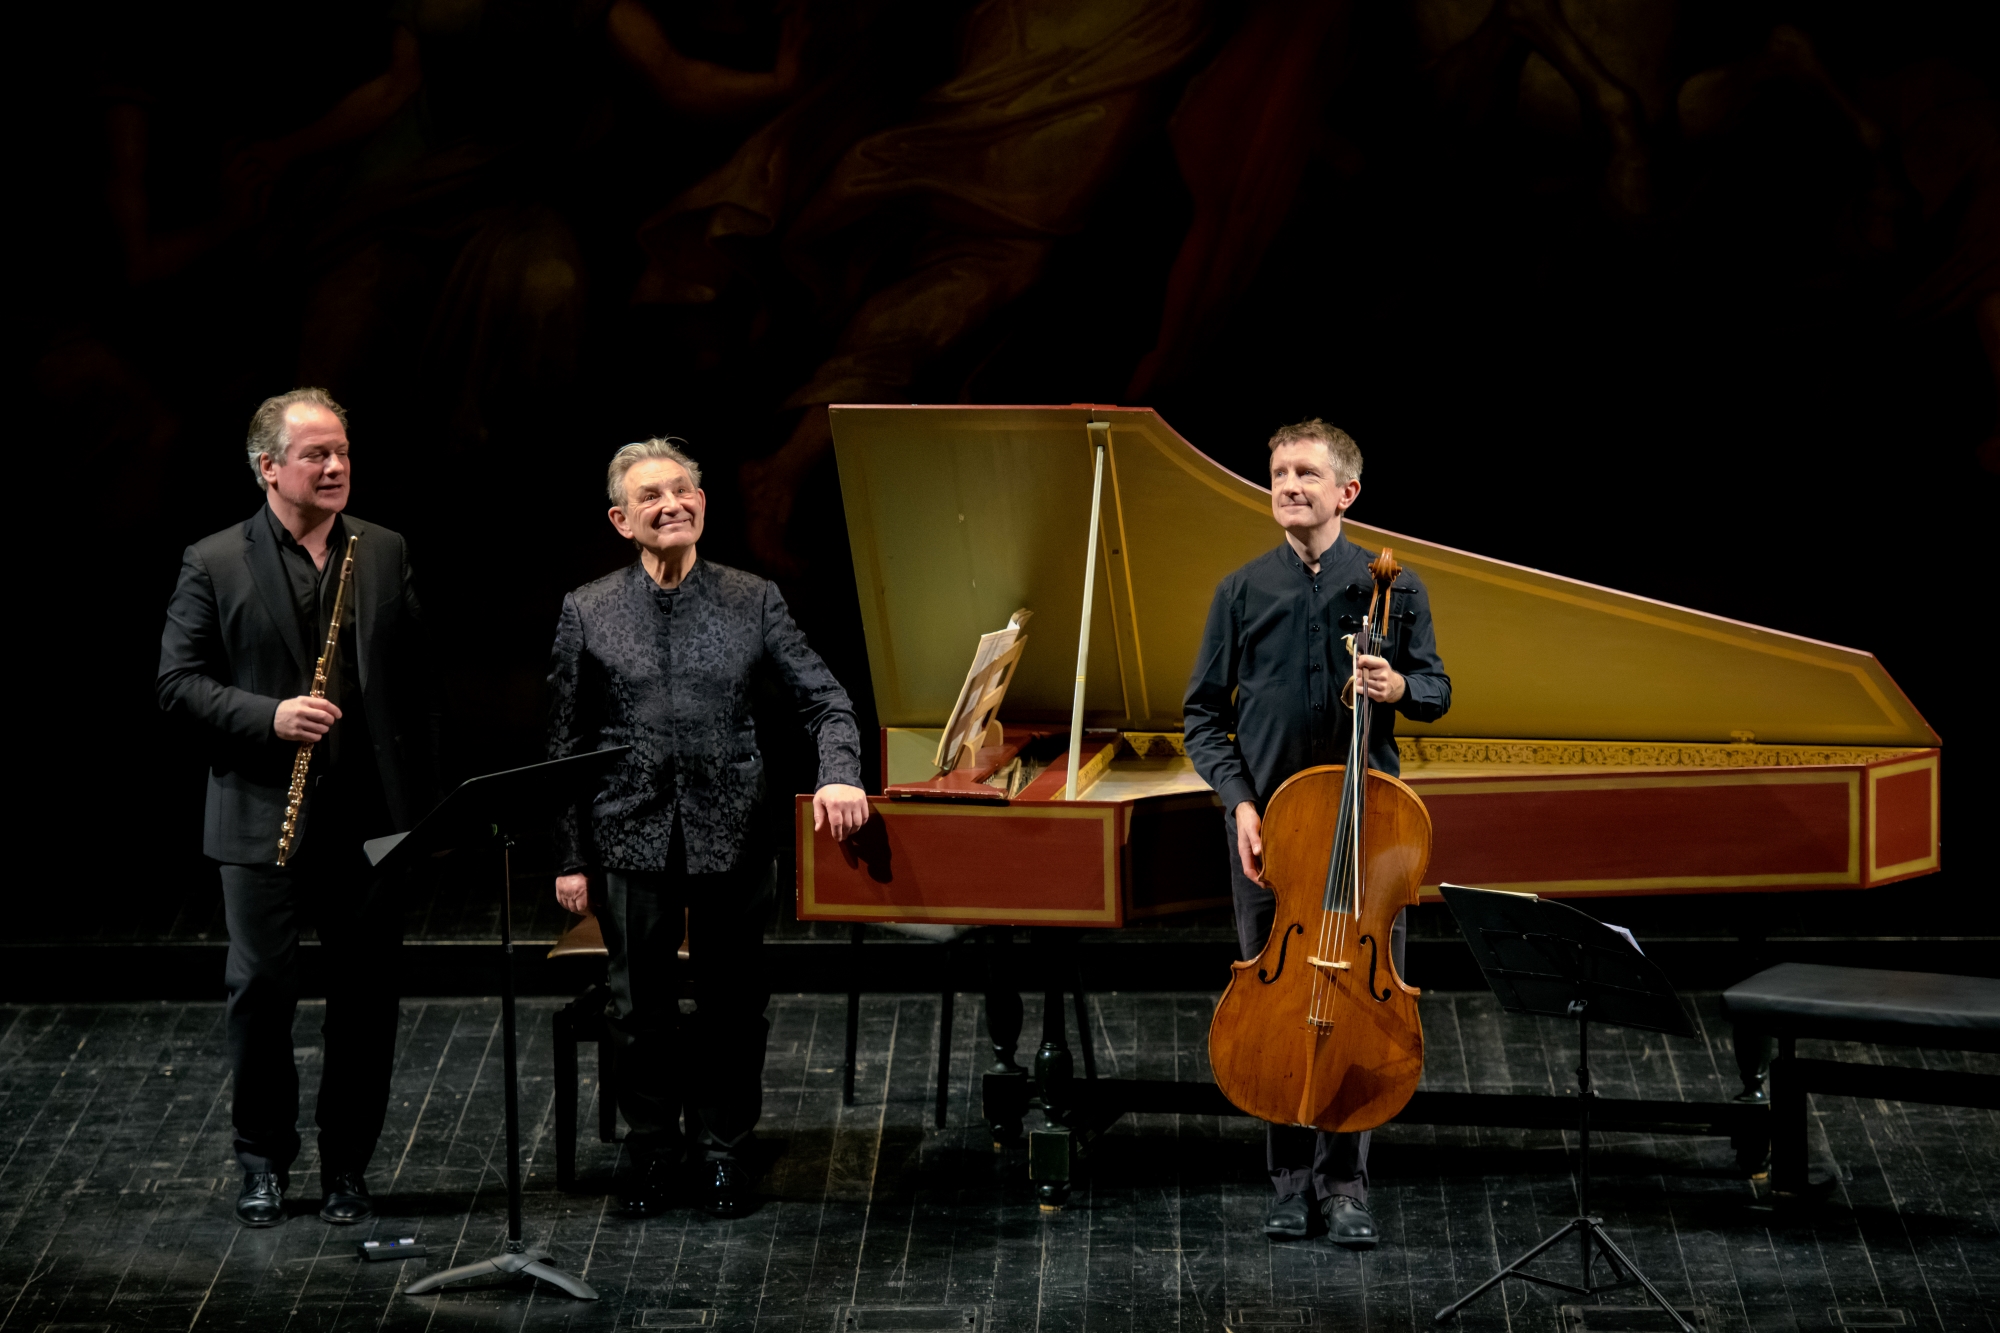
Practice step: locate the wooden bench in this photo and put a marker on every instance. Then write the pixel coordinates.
(1930, 1010)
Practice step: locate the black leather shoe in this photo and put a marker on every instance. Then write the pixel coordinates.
(1289, 1218)
(262, 1202)
(722, 1189)
(1348, 1222)
(346, 1201)
(650, 1190)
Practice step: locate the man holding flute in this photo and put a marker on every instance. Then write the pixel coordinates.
(248, 621)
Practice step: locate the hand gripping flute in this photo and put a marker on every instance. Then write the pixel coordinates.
(320, 669)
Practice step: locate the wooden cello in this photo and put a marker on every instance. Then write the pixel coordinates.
(1319, 1029)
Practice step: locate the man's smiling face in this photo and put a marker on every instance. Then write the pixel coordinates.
(1305, 492)
(663, 509)
(315, 474)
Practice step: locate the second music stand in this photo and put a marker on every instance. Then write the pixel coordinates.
(1548, 959)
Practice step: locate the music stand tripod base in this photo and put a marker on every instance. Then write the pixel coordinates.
(535, 1263)
(1548, 959)
(1591, 1231)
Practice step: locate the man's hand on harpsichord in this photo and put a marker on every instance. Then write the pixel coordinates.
(840, 809)
(1379, 681)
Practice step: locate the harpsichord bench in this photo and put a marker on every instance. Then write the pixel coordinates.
(1928, 1010)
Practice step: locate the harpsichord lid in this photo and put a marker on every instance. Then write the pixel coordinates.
(959, 515)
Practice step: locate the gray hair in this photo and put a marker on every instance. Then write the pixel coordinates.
(1341, 450)
(667, 447)
(268, 432)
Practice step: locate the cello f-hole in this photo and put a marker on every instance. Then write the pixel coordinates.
(1383, 997)
(1284, 944)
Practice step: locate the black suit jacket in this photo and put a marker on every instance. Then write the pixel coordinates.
(675, 682)
(232, 652)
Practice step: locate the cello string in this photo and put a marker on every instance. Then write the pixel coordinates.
(1356, 788)
(1368, 642)
(1363, 713)
(1317, 1011)
(1345, 878)
(1319, 981)
(1345, 844)
(1378, 646)
(1379, 638)
(1313, 996)
(1314, 1012)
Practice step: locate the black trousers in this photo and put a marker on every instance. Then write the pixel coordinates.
(1301, 1161)
(710, 1063)
(360, 929)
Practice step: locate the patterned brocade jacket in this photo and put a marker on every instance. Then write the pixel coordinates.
(670, 673)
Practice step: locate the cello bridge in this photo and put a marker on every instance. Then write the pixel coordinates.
(1323, 963)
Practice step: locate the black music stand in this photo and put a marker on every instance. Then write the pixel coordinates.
(484, 812)
(1549, 959)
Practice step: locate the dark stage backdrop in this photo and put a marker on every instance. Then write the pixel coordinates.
(1697, 300)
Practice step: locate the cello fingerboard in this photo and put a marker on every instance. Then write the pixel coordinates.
(1341, 890)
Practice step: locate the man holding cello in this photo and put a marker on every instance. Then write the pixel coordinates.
(1265, 701)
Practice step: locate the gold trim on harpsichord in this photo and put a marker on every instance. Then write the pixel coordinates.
(1850, 876)
(1152, 745)
(1917, 865)
(1659, 884)
(1087, 776)
(1107, 913)
(1424, 750)
(1439, 788)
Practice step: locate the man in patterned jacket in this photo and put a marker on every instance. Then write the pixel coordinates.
(663, 656)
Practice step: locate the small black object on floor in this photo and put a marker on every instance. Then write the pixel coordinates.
(388, 1251)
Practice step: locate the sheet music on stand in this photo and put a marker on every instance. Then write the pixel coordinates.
(1540, 956)
(985, 687)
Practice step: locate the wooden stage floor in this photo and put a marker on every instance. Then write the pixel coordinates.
(117, 1181)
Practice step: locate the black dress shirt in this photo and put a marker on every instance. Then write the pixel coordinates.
(672, 675)
(313, 588)
(1264, 699)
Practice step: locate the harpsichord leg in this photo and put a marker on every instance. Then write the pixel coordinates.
(1004, 1090)
(1052, 1148)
